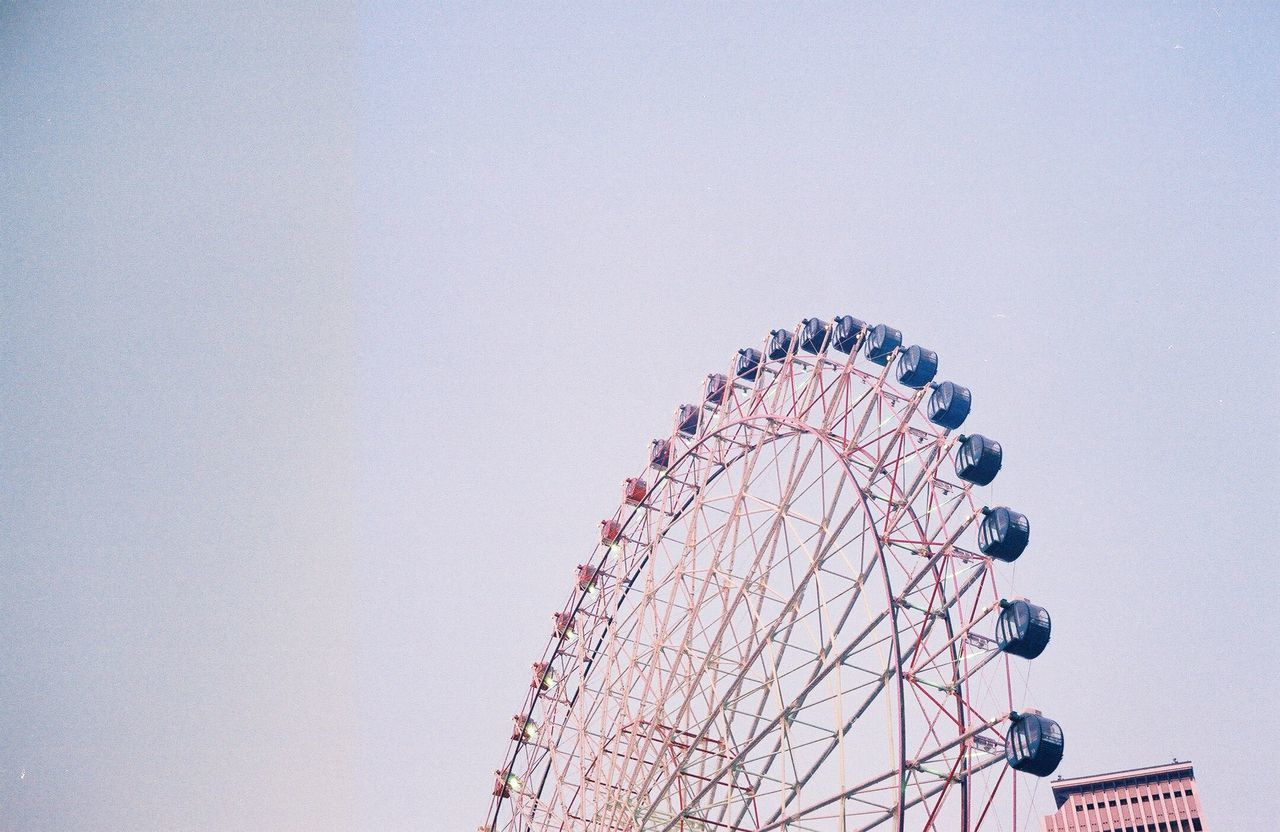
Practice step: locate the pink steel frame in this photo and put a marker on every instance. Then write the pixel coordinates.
(785, 634)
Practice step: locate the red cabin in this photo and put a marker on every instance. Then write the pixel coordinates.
(587, 577)
(544, 678)
(610, 531)
(634, 490)
(505, 783)
(523, 728)
(564, 625)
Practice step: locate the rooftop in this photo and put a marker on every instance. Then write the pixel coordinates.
(1062, 788)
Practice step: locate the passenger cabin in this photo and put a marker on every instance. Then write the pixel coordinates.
(660, 454)
(844, 336)
(748, 365)
(813, 335)
(586, 575)
(544, 678)
(1023, 629)
(634, 490)
(505, 783)
(917, 366)
(1004, 533)
(978, 459)
(715, 388)
(1034, 744)
(586, 580)
(949, 405)
(564, 626)
(687, 419)
(610, 531)
(523, 729)
(781, 344)
(881, 342)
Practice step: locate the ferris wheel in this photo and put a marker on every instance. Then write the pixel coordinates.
(792, 620)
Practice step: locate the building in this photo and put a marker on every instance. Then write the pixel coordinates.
(1153, 799)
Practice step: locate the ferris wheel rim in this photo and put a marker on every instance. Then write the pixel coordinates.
(798, 428)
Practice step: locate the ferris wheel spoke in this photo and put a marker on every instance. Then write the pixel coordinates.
(962, 635)
(917, 763)
(874, 408)
(736, 684)
(934, 790)
(729, 528)
(887, 674)
(718, 549)
(941, 505)
(923, 479)
(807, 392)
(769, 546)
(849, 651)
(823, 650)
(760, 734)
(825, 387)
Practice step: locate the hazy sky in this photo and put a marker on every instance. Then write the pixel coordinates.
(328, 334)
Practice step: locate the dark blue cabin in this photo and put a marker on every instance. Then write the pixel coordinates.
(844, 336)
(660, 454)
(687, 419)
(1033, 744)
(978, 459)
(813, 335)
(1023, 629)
(748, 366)
(881, 342)
(917, 366)
(1004, 533)
(714, 389)
(781, 344)
(949, 405)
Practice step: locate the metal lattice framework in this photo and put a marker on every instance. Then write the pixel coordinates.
(781, 629)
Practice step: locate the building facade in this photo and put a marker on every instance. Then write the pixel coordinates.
(1153, 799)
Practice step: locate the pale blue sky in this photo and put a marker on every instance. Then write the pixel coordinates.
(328, 336)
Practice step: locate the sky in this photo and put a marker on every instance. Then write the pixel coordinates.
(328, 332)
